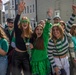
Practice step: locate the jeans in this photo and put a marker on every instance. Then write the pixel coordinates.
(20, 61)
(3, 65)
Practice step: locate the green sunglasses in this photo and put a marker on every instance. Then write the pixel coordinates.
(24, 21)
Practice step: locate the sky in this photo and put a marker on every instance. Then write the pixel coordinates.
(4, 1)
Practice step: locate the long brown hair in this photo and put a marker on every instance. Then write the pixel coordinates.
(2, 34)
(72, 30)
(38, 42)
(28, 30)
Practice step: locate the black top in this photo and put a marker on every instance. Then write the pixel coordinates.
(20, 43)
(10, 38)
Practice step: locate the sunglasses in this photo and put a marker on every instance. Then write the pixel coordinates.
(24, 21)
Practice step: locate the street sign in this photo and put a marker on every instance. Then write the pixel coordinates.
(1, 5)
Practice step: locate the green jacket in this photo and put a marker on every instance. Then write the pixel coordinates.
(38, 55)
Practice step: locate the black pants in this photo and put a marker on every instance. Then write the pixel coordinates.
(9, 62)
(20, 61)
(9, 69)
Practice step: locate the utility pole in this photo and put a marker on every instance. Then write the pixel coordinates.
(36, 10)
(0, 11)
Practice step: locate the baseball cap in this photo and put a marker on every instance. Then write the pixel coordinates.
(9, 20)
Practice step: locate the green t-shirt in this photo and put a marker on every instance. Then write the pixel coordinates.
(10, 31)
(4, 45)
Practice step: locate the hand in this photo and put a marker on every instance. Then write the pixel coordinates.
(74, 9)
(21, 7)
(31, 45)
(56, 69)
(50, 12)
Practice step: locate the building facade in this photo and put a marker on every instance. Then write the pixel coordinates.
(12, 9)
(29, 11)
(1, 11)
(7, 10)
(60, 7)
(36, 10)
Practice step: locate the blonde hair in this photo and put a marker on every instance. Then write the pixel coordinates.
(2, 34)
(59, 27)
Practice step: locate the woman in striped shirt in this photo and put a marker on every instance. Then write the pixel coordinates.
(58, 45)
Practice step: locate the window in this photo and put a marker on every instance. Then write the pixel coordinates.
(6, 15)
(12, 6)
(13, 15)
(13, 2)
(33, 7)
(27, 9)
(57, 12)
(6, 7)
(30, 9)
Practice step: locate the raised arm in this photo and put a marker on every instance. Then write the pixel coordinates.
(48, 25)
(71, 21)
(21, 8)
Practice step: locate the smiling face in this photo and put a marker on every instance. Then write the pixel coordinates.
(10, 24)
(75, 30)
(24, 25)
(56, 20)
(57, 32)
(24, 22)
(39, 31)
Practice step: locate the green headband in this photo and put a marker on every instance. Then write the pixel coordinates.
(58, 24)
(24, 21)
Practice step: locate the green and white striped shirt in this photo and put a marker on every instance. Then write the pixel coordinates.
(61, 46)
